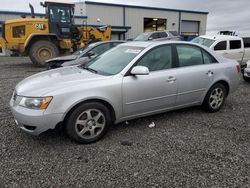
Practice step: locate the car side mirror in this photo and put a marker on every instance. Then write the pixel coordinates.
(140, 70)
(90, 54)
(150, 38)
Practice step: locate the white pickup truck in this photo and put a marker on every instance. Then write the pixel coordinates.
(231, 47)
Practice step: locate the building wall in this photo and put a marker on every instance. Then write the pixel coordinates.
(135, 19)
(126, 16)
(109, 15)
(4, 17)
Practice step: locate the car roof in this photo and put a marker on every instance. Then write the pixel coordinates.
(146, 44)
(220, 37)
(142, 44)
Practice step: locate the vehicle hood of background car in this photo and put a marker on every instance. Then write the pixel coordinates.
(63, 58)
(80, 61)
(49, 81)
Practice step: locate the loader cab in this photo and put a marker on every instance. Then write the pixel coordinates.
(61, 18)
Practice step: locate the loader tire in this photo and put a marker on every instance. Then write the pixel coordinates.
(41, 51)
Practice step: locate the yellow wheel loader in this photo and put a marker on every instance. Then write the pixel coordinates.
(54, 35)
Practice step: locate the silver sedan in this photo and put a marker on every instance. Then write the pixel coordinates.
(132, 80)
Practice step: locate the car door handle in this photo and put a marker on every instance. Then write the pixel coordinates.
(241, 52)
(171, 79)
(210, 73)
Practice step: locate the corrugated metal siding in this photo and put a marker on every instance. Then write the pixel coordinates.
(109, 15)
(135, 19)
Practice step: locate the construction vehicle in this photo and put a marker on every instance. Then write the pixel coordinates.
(54, 35)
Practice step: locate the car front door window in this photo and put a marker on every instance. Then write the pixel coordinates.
(157, 59)
(221, 46)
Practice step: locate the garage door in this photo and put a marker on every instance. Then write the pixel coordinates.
(191, 27)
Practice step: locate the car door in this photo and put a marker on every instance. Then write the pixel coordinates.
(236, 50)
(156, 91)
(195, 74)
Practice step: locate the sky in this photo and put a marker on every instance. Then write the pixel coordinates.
(223, 14)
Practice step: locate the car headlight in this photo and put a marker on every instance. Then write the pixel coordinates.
(39, 103)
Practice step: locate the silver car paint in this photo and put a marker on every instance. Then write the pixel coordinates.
(130, 96)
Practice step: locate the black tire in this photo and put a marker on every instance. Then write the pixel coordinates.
(41, 51)
(209, 99)
(247, 79)
(73, 129)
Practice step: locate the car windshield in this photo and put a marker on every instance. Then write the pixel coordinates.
(84, 49)
(113, 61)
(142, 37)
(203, 41)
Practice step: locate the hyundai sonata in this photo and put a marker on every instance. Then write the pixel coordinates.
(132, 80)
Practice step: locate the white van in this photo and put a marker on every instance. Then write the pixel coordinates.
(231, 47)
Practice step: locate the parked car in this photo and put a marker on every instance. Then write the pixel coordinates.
(83, 55)
(158, 36)
(231, 47)
(132, 80)
(246, 72)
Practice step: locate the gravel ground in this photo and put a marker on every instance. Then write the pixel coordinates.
(186, 148)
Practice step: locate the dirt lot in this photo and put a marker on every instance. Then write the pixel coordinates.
(187, 148)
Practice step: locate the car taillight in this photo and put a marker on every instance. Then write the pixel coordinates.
(238, 68)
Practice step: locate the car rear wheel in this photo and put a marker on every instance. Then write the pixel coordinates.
(88, 123)
(215, 98)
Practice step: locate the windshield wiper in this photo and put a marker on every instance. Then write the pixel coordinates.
(90, 70)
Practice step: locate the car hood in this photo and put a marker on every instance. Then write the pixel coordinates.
(46, 82)
(63, 58)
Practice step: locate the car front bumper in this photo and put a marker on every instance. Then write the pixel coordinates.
(34, 122)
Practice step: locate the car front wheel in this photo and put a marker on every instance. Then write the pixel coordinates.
(88, 122)
(215, 98)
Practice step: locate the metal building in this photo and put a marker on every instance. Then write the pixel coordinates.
(128, 21)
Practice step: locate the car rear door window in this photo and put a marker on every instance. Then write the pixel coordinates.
(163, 35)
(174, 33)
(157, 59)
(207, 58)
(189, 55)
(235, 44)
(155, 36)
(221, 46)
